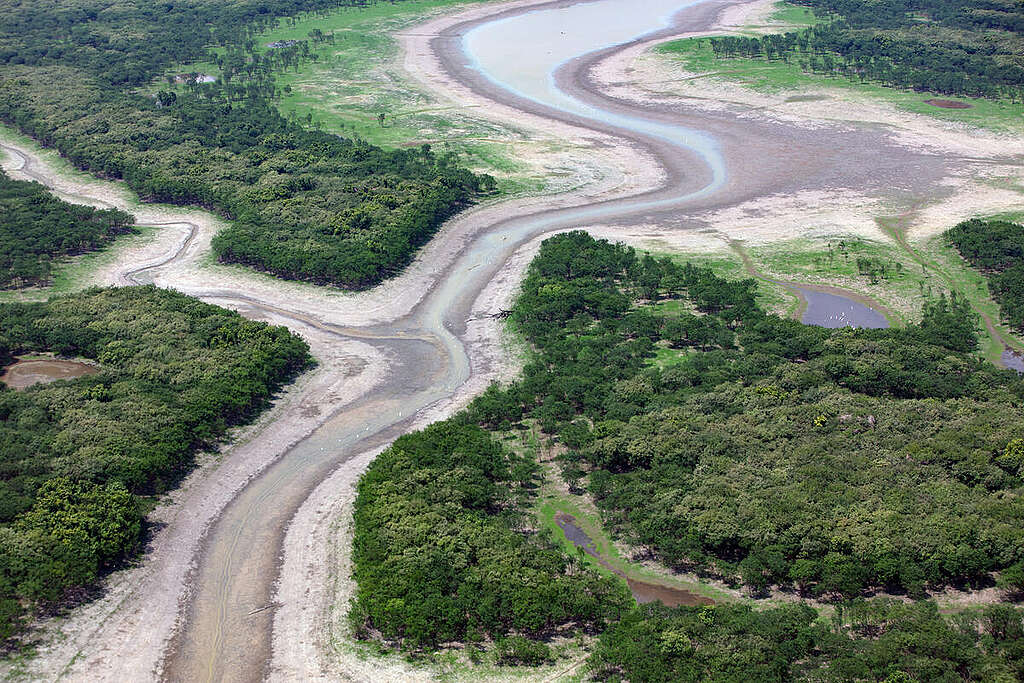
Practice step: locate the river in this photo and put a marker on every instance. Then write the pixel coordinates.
(222, 634)
(535, 61)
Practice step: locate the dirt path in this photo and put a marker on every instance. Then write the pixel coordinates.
(248, 549)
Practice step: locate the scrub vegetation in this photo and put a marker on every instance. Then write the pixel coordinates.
(996, 248)
(305, 204)
(79, 459)
(37, 228)
(956, 47)
(829, 463)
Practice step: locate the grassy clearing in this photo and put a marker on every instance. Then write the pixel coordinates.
(553, 498)
(357, 78)
(777, 77)
(957, 274)
(876, 269)
(900, 277)
(792, 16)
(771, 296)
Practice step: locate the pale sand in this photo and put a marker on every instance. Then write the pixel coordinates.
(990, 180)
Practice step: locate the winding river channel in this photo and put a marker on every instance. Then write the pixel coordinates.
(239, 559)
(535, 58)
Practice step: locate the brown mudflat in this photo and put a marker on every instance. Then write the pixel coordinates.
(948, 104)
(26, 373)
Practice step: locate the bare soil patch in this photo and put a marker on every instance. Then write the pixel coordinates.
(948, 104)
(31, 371)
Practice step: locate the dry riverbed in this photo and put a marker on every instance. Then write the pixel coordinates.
(124, 635)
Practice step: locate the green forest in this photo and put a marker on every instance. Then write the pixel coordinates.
(304, 204)
(996, 248)
(37, 228)
(79, 459)
(442, 549)
(957, 47)
(876, 640)
(826, 463)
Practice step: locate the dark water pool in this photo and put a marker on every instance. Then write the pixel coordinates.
(832, 310)
(1013, 360)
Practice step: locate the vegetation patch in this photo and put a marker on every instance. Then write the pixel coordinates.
(955, 47)
(305, 204)
(78, 458)
(830, 463)
(37, 229)
(445, 551)
(879, 640)
(790, 79)
(996, 248)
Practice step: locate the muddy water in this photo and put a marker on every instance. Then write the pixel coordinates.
(832, 310)
(643, 591)
(26, 373)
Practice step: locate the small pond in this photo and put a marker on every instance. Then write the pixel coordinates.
(832, 310)
(1013, 360)
(643, 591)
(26, 373)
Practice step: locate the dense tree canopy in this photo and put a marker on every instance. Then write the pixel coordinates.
(769, 450)
(36, 228)
(76, 456)
(958, 47)
(996, 248)
(444, 551)
(304, 204)
(758, 449)
(878, 640)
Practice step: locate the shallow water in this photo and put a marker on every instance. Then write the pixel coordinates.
(1013, 360)
(557, 36)
(832, 310)
(643, 591)
(27, 373)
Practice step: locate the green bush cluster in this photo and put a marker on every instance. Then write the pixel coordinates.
(996, 248)
(773, 452)
(303, 204)
(876, 640)
(828, 462)
(445, 551)
(957, 47)
(36, 228)
(77, 457)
